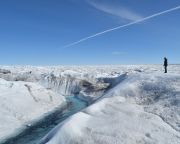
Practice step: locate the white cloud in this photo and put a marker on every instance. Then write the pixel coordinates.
(114, 10)
(123, 26)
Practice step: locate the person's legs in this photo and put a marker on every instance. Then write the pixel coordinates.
(165, 69)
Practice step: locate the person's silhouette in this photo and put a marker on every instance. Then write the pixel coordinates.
(165, 64)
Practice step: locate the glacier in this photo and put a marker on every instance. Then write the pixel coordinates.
(23, 103)
(129, 104)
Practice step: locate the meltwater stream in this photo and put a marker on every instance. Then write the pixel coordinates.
(34, 135)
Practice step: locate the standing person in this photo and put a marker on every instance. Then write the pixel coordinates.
(165, 64)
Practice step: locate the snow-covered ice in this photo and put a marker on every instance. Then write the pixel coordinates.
(142, 106)
(21, 103)
(143, 109)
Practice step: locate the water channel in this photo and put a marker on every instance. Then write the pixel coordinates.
(38, 131)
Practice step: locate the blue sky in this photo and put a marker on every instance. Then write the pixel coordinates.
(34, 32)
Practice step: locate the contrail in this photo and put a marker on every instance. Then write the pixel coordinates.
(122, 26)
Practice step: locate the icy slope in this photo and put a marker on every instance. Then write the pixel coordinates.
(88, 85)
(143, 109)
(21, 103)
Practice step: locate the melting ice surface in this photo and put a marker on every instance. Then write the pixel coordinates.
(143, 108)
(35, 134)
